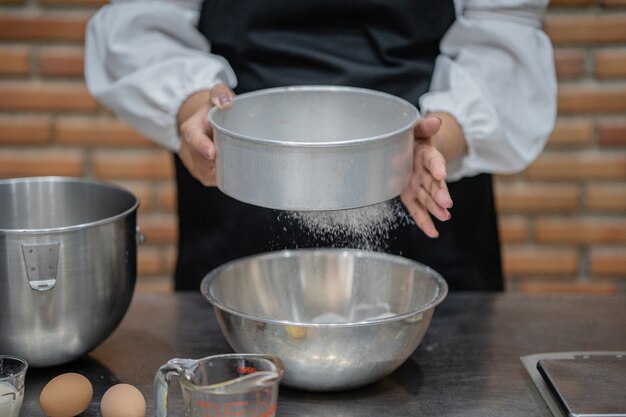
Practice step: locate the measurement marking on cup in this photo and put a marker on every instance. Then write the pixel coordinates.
(262, 406)
(13, 394)
(232, 408)
(246, 370)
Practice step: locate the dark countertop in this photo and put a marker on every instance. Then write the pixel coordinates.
(467, 365)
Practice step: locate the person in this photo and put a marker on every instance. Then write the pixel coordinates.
(480, 71)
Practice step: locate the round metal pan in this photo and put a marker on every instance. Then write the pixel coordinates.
(314, 147)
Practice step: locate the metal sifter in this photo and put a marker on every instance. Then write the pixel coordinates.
(314, 147)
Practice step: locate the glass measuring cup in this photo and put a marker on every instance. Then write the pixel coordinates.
(243, 385)
(12, 376)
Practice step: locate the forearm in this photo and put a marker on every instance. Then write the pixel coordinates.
(494, 75)
(146, 86)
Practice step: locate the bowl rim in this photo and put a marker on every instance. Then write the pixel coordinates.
(25, 231)
(211, 277)
(330, 89)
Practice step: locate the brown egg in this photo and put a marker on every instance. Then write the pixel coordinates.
(123, 400)
(66, 395)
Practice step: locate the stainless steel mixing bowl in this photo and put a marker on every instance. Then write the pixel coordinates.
(338, 318)
(67, 265)
(314, 147)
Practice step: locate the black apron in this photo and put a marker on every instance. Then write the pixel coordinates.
(383, 45)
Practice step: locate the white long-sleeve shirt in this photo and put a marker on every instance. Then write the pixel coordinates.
(495, 74)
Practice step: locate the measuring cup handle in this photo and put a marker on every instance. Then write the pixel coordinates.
(173, 367)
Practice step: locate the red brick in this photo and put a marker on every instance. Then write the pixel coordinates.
(43, 27)
(153, 165)
(585, 166)
(25, 130)
(608, 261)
(578, 166)
(613, 3)
(14, 60)
(159, 228)
(591, 99)
(143, 191)
(571, 132)
(531, 198)
(45, 97)
(612, 133)
(595, 288)
(40, 163)
(580, 231)
(570, 63)
(63, 3)
(570, 3)
(539, 260)
(98, 132)
(610, 63)
(166, 195)
(149, 261)
(586, 28)
(171, 255)
(156, 261)
(607, 198)
(155, 275)
(513, 229)
(61, 62)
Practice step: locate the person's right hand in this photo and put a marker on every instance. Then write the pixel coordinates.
(197, 150)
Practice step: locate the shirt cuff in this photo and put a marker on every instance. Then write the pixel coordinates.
(468, 105)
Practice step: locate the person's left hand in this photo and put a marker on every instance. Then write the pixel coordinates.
(427, 192)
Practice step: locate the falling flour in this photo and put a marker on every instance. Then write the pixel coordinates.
(366, 228)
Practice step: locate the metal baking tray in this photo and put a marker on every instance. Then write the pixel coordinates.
(580, 384)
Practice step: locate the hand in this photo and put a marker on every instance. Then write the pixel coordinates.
(197, 150)
(427, 192)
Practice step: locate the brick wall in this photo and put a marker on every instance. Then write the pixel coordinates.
(563, 220)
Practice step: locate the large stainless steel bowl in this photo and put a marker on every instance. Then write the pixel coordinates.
(338, 318)
(314, 147)
(67, 265)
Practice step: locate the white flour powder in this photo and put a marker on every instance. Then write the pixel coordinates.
(366, 228)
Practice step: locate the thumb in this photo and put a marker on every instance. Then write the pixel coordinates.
(427, 126)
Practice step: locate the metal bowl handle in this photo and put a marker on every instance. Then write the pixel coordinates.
(41, 262)
(140, 238)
